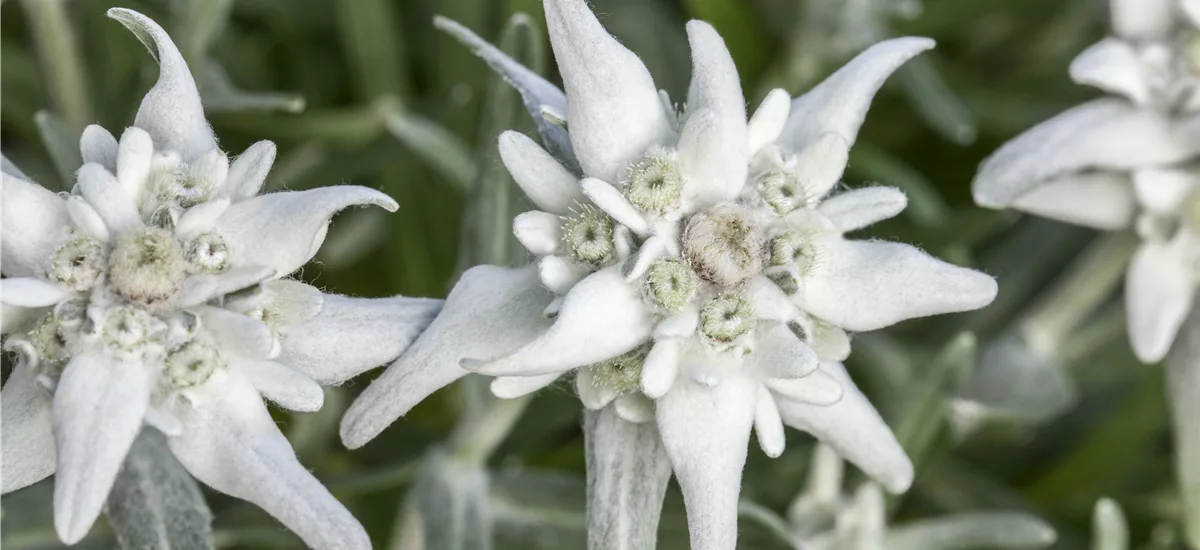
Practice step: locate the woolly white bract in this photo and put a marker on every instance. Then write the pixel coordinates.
(1125, 161)
(151, 294)
(692, 266)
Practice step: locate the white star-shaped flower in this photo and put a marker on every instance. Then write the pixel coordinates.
(1124, 162)
(152, 294)
(692, 266)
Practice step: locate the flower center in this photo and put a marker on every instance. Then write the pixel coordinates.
(589, 237)
(726, 318)
(78, 264)
(670, 284)
(127, 329)
(655, 183)
(146, 266)
(192, 363)
(793, 249)
(783, 191)
(723, 245)
(623, 373)
(208, 253)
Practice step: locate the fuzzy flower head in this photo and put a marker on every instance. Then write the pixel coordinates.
(151, 294)
(1124, 162)
(691, 267)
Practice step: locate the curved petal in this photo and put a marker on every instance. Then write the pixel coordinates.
(1143, 19)
(282, 229)
(1158, 296)
(660, 368)
(594, 396)
(31, 292)
(818, 388)
(1103, 200)
(859, 208)
(33, 221)
(248, 172)
(767, 122)
(634, 407)
(866, 285)
(135, 154)
(602, 317)
(768, 427)
(111, 201)
(614, 203)
(840, 103)
(544, 180)
(1102, 134)
(171, 110)
(613, 107)
(539, 232)
(98, 145)
(353, 335)
(17, 318)
(780, 354)
(281, 385)
(231, 443)
(1113, 66)
(98, 408)
(1164, 191)
(26, 431)
(490, 310)
(705, 431)
(245, 336)
(714, 139)
(855, 430)
(536, 92)
(512, 387)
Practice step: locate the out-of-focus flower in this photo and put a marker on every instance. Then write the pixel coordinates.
(1124, 162)
(152, 294)
(693, 271)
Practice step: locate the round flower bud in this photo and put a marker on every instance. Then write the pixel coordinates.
(726, 318)
(723, 245)
(207, 253)
(146, 266)
(192, 363)
(656, 183)
(623, 373)
(46, 340)
(795, 249)
(670, 284)
(77, 264)
(782, 191)
(589, 237)
(126, 328)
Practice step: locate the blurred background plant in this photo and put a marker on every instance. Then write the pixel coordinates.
(1038, 410)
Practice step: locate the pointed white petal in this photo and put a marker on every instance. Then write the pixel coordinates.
(31, 292)
(592, 394)
(231, 443)
(602, 317)
(713, 141)
(1113, 66)
(613, 106)
(33, 221)
(105, 194)
(283, 386)
(1103, 200)
(248, 172)
(245, 336)
(859, 208)
(26, 433)
(768, 427)
(706, 432)
(678, 325)
(512, 387)
(98, 408)
(654, 248)
(537, 93)
(1102, 134)
(613, 203)
(831, 343)
(1163, 190)
(201, 217)
(86, 218)
(840, 103)
(558, 274)
(780, 354)
(171, 112)
(99, 146)
(770, 303)
(17, 318)
(854, 429)
(134, 155)
(660, 368)
(499, 308)
(544, 180)
(821, 163)
(866, 285)
(283, 230)
(352, 335)
(634, 407)
(1158, 296)
(767, 121)
(539, 232)
(198, 289)
(817, 388)
(1142, 19)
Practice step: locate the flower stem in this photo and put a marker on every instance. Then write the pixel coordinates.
(627, 471)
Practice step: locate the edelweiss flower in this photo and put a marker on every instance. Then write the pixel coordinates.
(689, 270)
(1124, 162)
(151, 294)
